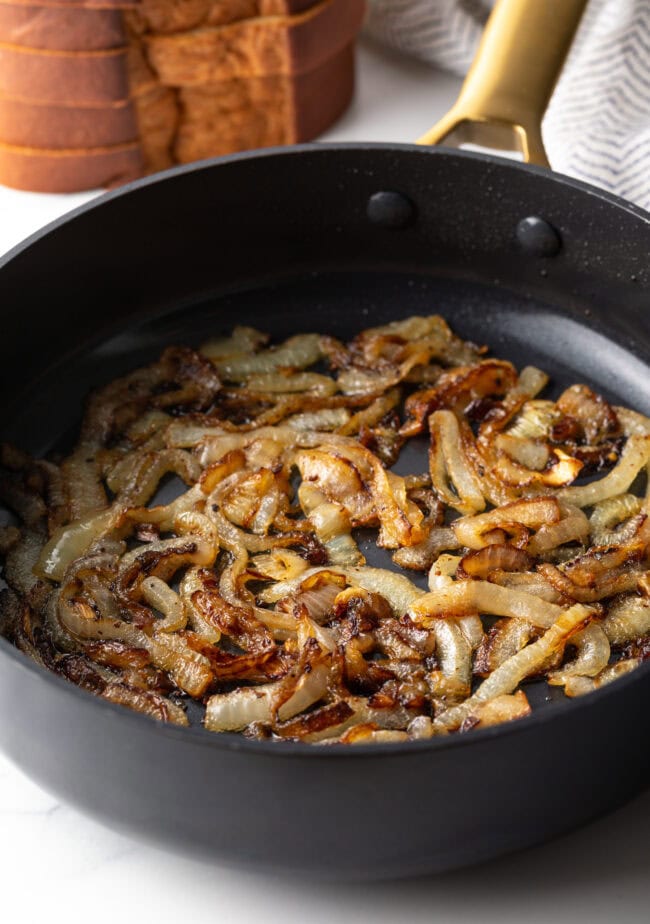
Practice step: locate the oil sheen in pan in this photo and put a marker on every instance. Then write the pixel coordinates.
(520, 330)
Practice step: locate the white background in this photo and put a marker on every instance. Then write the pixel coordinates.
(56, 865)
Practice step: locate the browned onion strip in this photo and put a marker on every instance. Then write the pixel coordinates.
(533, 513)
(246, 705)
(635, 456)
(505, 639)
(509, 675)
(451, 473)
(372, 414)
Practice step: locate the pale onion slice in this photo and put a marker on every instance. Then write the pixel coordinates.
(535, 420)
(627, 619)
(253, 500)
(423, 555)
(281, 382)
(213, 441)
(241, 707)
(234, 539)
(151, 423)
(395, 588)
(278, 565)
(507, 677)
(526, 452)
(332, 526)
(241, 340)
(444, 566)
(573, 527)
(592, 656)
(215, 474)
(400, 519)
(73, 541)
(472, 628)
(451, 474)
(578, 686)
(369, 734)
(189, 670)
(635, 456)
(505, 708)
(295, 353)
(609, 513)
(161, 597)
(325, 419)
(165, 515)
(452, 681)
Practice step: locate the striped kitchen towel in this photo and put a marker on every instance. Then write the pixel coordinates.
(597, 127)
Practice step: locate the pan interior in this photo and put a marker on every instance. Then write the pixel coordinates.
(514, 327)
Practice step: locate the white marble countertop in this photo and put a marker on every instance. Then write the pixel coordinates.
(56, 865)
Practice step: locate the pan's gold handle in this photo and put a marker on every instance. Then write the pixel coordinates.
(511, 80)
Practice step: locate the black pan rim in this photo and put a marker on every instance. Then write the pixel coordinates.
(235, 742)
(320, 147)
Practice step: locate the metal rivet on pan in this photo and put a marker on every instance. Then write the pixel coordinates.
(390, 209)
(537, 237)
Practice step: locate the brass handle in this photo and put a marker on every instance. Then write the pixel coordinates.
(512, 77)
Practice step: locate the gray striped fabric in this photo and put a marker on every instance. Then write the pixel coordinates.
(597, 127)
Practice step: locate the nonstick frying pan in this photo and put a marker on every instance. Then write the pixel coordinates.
(330, 238)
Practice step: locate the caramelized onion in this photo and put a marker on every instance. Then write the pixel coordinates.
(241, 581)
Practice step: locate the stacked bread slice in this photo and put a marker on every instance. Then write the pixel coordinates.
(96, 92)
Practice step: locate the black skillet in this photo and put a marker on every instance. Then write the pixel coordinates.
(329, 238)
